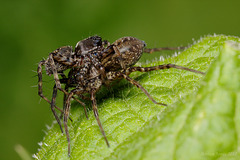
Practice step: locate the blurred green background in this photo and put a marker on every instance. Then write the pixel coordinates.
(30, 29)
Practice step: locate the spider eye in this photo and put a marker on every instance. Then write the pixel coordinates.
(97, 41)
(144, 44)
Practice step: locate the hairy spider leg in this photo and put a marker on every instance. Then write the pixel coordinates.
(151, 50)
(147, 69)
(53, 102)
(40, 91)
(65, 98)
(55, 74)
(39, 71)
(95, 111)
(135, 83)
(164, 66)
(66, 115)
(65, 118)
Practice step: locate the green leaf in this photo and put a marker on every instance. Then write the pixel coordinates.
(199, 123)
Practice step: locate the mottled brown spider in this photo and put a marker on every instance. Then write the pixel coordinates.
(94, 64)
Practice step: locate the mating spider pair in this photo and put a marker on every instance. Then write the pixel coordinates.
(92, 64)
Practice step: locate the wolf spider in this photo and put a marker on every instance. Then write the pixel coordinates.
(95, 63)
